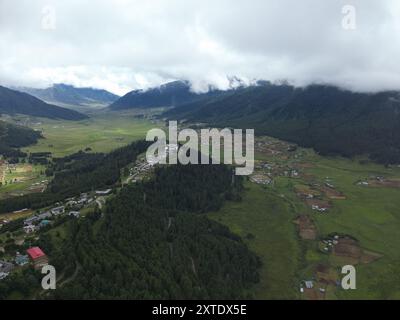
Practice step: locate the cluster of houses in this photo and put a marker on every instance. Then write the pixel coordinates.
(74, 205)
(309, 285)
(78, 203)
(264, 165)
(292, 173)
(319, 208)
(366, 183)
(42, 185)
(269, 171)
(141, 168)
(329, 243)
(5, 269)
(41, 220)
(35, 256)
(261, 179)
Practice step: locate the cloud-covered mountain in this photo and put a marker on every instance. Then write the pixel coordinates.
(171, 94)
(329, 119)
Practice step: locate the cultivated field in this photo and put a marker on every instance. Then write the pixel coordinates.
(19, 179)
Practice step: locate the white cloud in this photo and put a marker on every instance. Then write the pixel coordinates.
(123, 45)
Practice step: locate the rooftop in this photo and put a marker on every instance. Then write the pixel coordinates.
(35, 252)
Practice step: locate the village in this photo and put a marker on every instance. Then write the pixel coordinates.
(284, 160)
(279, 164)
(277, 161)
(33, 223)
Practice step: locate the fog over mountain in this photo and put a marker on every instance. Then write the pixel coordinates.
(126, 45)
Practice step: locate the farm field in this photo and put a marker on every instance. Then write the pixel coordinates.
(21, 179)
(295, 182)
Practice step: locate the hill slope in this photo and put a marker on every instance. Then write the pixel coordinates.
(331, 120)
(67, 94)
(162, 248)
(13, 137)
(15, 102)
(171, 94)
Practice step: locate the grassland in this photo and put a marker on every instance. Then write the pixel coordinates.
(262, 219)
(100, 133)
(20, 179)
(370, 214)
(103, 132)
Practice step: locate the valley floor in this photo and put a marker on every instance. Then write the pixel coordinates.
(100, 133)
(304, 215)
(352, 217)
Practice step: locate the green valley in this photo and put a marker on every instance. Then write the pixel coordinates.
(368, 213)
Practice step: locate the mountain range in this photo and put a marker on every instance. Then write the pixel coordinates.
(70, 95)
(15, 102)
(171, 94)
(327, 118)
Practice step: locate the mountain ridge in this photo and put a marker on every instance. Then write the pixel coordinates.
(71, 95)
(170, 94)
(16, 102)
(327, 118)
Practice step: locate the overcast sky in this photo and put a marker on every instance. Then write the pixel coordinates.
(123, 45)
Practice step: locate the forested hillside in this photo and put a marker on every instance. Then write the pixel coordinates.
(153, 243)
(331, 120)
(13, 137)
(15, 102)
(171, 94)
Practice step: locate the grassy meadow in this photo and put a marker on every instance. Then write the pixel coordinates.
(101, 133)
(370, 214)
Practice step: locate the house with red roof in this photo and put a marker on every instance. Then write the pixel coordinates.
(37, 257)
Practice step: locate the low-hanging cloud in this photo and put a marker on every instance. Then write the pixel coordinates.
(123, 45)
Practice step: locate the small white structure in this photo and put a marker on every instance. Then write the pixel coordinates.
(75, 214)
(30, 220)
(57, 211)
(29, 228)
(3, 275)
(44, 215)
(103, 192)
